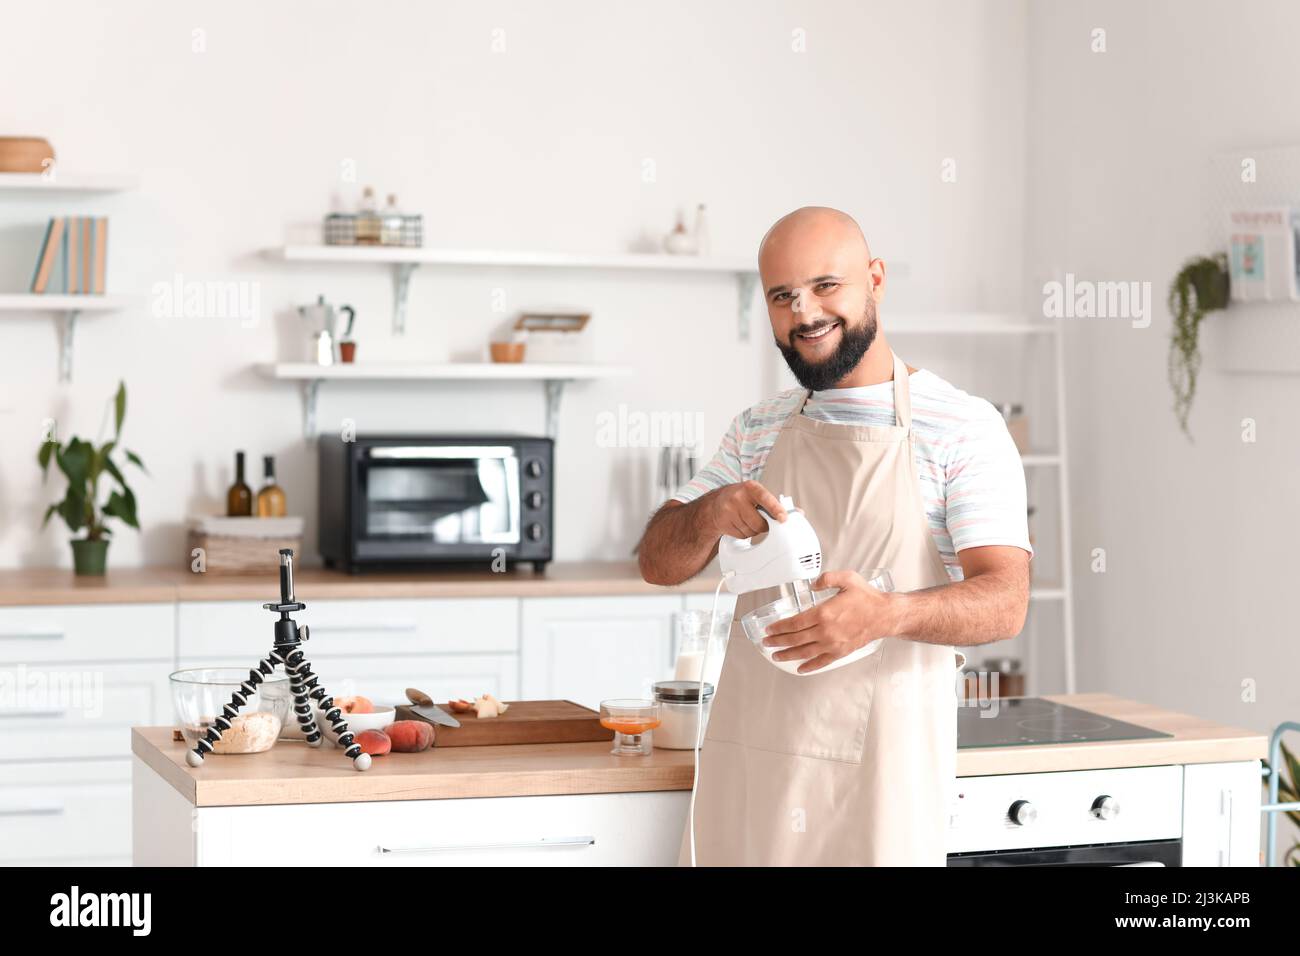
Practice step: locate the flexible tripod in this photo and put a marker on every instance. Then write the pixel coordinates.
(303, 684)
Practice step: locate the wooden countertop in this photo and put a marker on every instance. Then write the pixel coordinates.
(294, 773)
(161, 584)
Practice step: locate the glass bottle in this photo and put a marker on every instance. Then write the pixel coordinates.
(368, 222)
(270, 499)
(391, 223)
(239, 498)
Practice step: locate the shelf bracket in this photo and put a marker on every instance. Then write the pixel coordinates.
(65, 345)
(554, 389)
(310, 392)
(746, 291)
(401, 291)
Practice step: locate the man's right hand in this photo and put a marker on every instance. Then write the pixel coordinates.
(733, 509)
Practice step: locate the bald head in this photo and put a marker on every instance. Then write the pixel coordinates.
(814, 226)
(821, 287)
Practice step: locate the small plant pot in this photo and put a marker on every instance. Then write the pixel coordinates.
(89, 557)
(347, 351)
(508, 352)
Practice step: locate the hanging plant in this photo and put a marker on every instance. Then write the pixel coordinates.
(1201, 286)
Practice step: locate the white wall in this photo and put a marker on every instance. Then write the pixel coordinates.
(1199, 538)
(541, 146)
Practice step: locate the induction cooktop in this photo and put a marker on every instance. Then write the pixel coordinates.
(1015, 721)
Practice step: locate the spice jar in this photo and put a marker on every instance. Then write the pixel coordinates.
(679, 707)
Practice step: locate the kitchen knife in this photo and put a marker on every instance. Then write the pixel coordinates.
(422, 705)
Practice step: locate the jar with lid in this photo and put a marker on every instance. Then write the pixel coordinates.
(679, 708)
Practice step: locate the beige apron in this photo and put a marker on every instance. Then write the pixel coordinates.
(855, 766)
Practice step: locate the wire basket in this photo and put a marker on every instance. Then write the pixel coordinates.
(347, 229)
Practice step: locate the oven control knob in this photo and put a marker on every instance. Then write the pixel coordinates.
(1022, 813)
(534, 499)
(533, 468)
(534, 532)
(1105, 808)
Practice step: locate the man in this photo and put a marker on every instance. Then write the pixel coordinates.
(895, 468)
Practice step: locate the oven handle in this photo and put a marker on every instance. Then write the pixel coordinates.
(442, 451)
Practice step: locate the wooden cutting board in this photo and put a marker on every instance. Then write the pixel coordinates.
(525, 722)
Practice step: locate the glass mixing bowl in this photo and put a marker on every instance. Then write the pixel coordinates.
(200, 694)
(757, 621)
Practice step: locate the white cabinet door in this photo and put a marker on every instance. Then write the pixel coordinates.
(589, 649)
(66, 813)
(1221, 818)
(600, 829)
(87, 632)
(74, 710)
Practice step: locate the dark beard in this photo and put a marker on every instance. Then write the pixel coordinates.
(854, 342)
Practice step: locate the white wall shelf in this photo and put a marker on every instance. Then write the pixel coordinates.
(71, 308)
(404, 261)
(552, 376)
(67, 182)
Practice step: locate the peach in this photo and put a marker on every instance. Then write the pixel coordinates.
(410, 736)
(374, 742)
(355, 705)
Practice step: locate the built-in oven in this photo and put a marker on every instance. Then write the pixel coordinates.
(422, 500)
(1122, 816)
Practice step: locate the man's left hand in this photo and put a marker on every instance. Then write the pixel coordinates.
(855, 616)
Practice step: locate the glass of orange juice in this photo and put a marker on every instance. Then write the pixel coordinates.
(632, 720)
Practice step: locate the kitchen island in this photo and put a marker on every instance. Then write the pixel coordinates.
(97, 653)
(577, 804)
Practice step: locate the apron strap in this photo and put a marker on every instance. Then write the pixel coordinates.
(902, 394)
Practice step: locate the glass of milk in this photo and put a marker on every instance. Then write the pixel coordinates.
(696, 631)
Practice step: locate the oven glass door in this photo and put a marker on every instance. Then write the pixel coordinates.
(1145, 853)
(444, 494)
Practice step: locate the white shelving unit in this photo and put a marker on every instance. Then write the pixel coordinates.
(552, 376)
(67, 182)
(71, 307)
(903, 325)
(404, 261)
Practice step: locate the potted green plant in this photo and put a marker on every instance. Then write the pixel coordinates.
(84, 465)
(1201, 286)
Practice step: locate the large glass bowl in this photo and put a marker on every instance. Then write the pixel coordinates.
(757, 621)
(200, 694)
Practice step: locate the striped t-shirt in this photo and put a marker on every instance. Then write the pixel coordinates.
(971, 477)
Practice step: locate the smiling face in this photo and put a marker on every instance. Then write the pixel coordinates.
(821, 286)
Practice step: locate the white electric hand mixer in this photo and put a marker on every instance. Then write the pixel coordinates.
(790, 554)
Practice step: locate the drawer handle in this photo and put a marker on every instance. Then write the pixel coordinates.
(18, 714)
(31, 636)
(362, 626)
(451, 847)
(54, 810)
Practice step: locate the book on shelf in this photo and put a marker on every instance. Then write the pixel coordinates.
(74, 256)
(50, 249)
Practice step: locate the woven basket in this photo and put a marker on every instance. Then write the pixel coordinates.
(225, 554)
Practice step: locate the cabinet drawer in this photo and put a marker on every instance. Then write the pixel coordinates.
(608, 829)
(385, 679)
(87, 632)
(233, 630)
(66, 814)
(80, 710)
